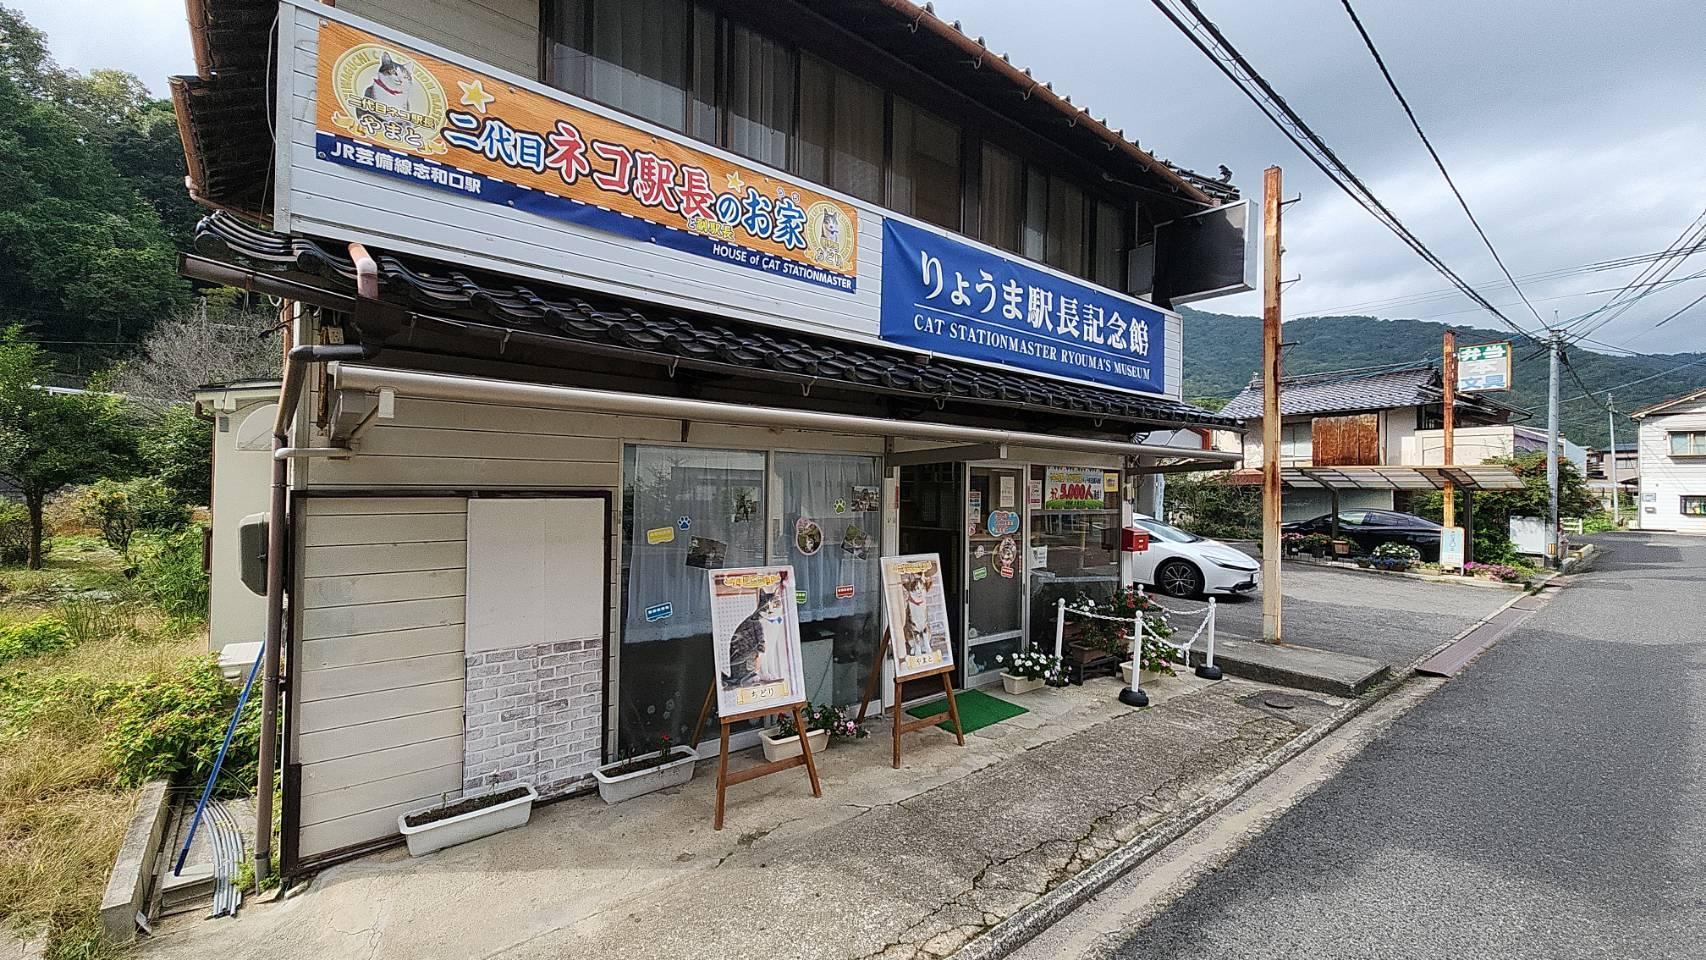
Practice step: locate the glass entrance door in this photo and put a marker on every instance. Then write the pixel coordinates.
(995, 569)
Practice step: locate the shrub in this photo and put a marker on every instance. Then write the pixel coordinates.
(1210, 506)
(170, 573)
(1032, 665)
(1398, 551)
(119, 509)
(178, 448)
(170, 725)
(1113, 636)
(88, 621)
(33, 637)
(14, 532)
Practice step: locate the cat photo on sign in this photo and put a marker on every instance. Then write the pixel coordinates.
(755, 639)
(917, 613)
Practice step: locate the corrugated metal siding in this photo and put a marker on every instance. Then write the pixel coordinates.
(377, 680)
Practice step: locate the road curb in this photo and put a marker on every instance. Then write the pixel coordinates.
(1019, 929)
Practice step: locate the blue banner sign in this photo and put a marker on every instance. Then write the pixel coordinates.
(952, 298)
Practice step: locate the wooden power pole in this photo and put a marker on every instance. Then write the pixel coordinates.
(1450, 418)
(1271, 203)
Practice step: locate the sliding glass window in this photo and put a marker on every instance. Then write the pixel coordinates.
(924, 174)
(760, 99)
(841, 130)
(1109, 265)
(630, 54)
(1003, 199)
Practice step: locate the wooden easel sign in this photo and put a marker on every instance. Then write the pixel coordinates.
(918, 638)
(755, 644)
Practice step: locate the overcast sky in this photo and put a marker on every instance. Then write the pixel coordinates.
(1576, 129)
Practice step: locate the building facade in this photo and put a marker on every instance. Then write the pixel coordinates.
(593, 297)
(1672, 438)
(1384, 418)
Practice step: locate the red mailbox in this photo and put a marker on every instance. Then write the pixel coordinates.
(1134, 540)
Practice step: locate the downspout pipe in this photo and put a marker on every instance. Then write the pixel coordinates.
(296, 362)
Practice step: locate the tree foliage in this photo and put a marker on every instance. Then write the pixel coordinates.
(221, 338)
(177, 451)
(85, 260)
(50, 440)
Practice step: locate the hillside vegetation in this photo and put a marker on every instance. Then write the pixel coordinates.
(1222, 352)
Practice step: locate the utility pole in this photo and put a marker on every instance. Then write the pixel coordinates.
(1271, 251)
(1450, 418)
(1611, 470)
(1556, 349)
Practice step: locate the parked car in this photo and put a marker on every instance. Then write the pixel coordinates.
(1182, 564)
(1371, 528)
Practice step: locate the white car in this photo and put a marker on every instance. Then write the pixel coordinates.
(1182, 564)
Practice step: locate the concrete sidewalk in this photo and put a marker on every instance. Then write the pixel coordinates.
(889, 863)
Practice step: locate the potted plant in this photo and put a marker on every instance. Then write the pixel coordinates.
(823, 724)
(1110, 640)
(1028, 671)
(1396, 556)
(1341, 548)
(448, 823)
(1292, 543)
(641, 771)
(1315, 544)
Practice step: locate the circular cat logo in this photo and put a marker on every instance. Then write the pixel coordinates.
(830, 237)
(389, 98)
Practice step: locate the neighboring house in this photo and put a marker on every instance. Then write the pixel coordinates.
(1673, 463)
(1384, 418)
(1627, 460)
(619, 293)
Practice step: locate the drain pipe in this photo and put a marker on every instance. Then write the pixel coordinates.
(296, 363)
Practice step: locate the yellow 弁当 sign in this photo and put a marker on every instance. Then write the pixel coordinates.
(391, 110)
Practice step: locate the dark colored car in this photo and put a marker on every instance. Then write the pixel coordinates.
(1371, 528)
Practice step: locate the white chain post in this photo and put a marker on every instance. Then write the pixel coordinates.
(1208, 671)
(1059, 625)
(1134, 696)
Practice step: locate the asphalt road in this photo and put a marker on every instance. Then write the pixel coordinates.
(1547, 803)
(1390, 619)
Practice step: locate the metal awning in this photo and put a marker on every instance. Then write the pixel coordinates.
(1480, 476)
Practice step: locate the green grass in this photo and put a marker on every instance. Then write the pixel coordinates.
(63, 808)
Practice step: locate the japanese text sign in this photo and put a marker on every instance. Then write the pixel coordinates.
(1485, 366)
(953, 298)
(389, 110)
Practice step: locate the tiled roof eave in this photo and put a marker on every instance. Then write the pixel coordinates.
(562, 317)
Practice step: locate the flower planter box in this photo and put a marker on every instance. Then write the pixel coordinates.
(1082, 661)
(617, 787)
(1149, 676)
(777, 747)
(1018, 685)
(479, 816)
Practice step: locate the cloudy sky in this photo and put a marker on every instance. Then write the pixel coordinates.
(1575, 128)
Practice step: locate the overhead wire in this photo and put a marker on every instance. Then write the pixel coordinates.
(1416, 124)
(1312, 145)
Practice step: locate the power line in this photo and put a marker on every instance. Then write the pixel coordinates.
(1260, 92)
(1392, 84)
(1685, 245)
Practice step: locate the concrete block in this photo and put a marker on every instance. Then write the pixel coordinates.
(127, 886)
(1304, 668)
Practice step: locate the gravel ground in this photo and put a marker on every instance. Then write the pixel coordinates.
(1546, 804)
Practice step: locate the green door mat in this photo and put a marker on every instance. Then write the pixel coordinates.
(977, 710)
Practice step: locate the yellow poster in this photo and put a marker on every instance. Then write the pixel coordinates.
(390, 110)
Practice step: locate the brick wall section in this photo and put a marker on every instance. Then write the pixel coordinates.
(533, 715)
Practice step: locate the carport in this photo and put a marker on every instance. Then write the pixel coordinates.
(1468, 479)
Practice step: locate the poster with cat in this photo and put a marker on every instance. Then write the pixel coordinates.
(917, 613)
(755, 639)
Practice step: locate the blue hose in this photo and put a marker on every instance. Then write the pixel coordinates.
(213, 775)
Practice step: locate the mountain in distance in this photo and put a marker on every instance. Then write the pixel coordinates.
(1222, 353)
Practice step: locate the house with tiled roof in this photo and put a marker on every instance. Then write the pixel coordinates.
(590, 300)
(1380, 417)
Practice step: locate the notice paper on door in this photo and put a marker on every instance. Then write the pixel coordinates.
(1007, 490)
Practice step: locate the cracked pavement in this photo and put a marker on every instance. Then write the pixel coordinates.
(889, 864)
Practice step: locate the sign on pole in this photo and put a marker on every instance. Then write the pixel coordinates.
(1483, 367)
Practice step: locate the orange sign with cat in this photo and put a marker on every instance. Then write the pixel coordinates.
(389, 110)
